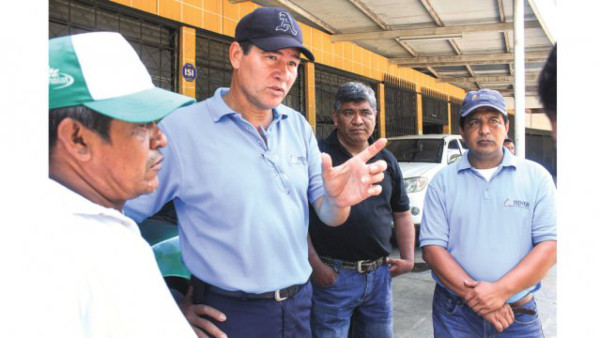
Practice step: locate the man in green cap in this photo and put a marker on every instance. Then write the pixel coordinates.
(98, 275)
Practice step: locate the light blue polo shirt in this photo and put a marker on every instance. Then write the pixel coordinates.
(242, 204)
(488, 227)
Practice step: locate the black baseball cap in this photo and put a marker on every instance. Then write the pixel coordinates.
(271, 29)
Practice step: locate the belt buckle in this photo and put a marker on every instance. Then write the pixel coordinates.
(359, 267)
(278, 296)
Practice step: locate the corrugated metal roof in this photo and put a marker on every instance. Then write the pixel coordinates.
(365, 16)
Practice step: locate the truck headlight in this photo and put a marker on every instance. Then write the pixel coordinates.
(415, 184)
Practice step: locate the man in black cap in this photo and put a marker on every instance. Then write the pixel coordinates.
(242, 169)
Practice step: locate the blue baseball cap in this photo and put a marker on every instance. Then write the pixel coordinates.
(483, 98)
(271, 29)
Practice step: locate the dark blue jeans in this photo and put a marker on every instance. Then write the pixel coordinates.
(453, 318)
(264, 318)
(367, 295)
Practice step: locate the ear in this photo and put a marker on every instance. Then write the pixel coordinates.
(335, 118)
(461, 132)
(507, 125)
(74, 138)
(235, 54)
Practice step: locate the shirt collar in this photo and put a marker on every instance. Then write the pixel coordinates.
(217, 108)
(333, 140)
(64, 199)
(508, 160)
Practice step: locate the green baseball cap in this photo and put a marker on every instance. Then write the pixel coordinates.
(103, 72)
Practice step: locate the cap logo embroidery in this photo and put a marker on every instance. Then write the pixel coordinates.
(286, 24)
(59, 80)
(487, 96)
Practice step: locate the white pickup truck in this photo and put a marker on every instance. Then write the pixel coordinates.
(420, 158)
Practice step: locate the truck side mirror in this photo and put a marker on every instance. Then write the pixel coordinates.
(454, 158)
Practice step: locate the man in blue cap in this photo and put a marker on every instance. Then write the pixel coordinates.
(96, 276)
(488, 231)
(241, 170)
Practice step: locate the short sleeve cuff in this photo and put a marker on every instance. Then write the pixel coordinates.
(424, 243)
(401, 208)
(315, 194)
(539, 239)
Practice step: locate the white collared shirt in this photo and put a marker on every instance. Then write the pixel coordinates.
(93, 275)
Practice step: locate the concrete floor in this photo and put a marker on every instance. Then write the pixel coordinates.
(413, 294)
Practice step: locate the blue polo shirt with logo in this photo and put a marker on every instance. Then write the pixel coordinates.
(241, 202)
(489, 227)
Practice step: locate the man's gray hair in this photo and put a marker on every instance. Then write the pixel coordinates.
(354, 92)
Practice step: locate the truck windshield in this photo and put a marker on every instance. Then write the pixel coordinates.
(417, 150)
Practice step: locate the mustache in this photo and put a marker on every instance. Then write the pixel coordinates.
(154, 158)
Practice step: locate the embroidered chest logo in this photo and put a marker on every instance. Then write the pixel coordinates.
(298, 160)
(286, 24)
(508, 203)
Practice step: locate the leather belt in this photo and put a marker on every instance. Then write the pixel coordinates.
(278, 295)
(516, 306)
(363, 266)
(522, 301)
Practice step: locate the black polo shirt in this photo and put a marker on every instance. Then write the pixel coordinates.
(366, 234)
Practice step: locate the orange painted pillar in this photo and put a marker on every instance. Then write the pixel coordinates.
(381, 104)
(187, 54)
(310, 94)
(419, 110)
(447, 128)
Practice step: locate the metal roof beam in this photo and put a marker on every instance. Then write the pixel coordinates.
(542, 19)
(510, 93)
(369, 13)
(429, 8)
(487, 79)
(379, 22)
(472, 59)
(300, 11)
(429, 32)
(505, 33)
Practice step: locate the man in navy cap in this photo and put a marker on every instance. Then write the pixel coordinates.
(488, 231)
(242, 169)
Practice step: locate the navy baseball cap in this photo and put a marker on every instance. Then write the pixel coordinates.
(271, 29)
(483, 98)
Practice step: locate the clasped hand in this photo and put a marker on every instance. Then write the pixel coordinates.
(488, 300)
